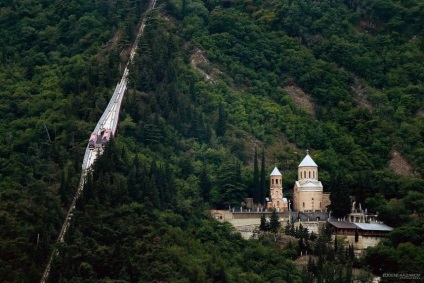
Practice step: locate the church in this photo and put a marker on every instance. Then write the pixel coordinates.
(308, 194)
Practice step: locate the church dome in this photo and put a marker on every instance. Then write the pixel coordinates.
(308, 162)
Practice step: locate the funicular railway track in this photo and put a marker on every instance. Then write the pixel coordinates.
(105, 128)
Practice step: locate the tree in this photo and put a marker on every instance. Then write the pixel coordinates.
(205, 183)
(231, 188)
(64, 185)
(274, 223)
(339, 196)
(262, 181)
(356, 235)
(382, 259)
(221, 126)
(336, 244)
(351, 252)
(255, 182)
(264, 225)
(394, 213)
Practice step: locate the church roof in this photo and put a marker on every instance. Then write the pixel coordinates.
(361, 226)
(374, 227)
(307, 162)
(309, 184)
(342, 224)
(275, 172)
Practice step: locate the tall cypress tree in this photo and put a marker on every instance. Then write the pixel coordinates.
(151, 187)
(356, 235)
(63, 190)
(255, 182)
(169, 190)
(339, 196)
(262, 181)
(221, 126)
(205, 183)
(264, 226)
(274, 222)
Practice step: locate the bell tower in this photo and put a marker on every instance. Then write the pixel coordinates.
(276, 191)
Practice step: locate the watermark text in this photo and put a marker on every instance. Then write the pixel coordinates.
(405, 276)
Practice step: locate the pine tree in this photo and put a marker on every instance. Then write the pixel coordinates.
(205, 183)
(221, 126)
(339, 196)
(274, 223)
(135, 180)
(351, 252)
(311, 264)
(292, 230)
(335, 244)
(255, 183)
(169, 188)
(356, 235)
(340, 276)
(287, 228)
(88, 192)
(152, 197)
(264, 226)
(231, 188)
(320, 264)
(348, 278)
(63, 190)
(262, 181)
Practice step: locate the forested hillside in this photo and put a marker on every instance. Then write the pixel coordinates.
(59, 61)
(213, 81)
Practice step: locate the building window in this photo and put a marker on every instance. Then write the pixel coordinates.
(319, 204)
(313, 174)
(272, 181)
(312, 198)
(309, 174)
(303, 204)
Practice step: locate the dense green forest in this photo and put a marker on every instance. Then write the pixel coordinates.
(190, 126)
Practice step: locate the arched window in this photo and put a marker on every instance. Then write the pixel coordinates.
(272, 181)
(313, 174)
(303, 204)
(309, 174)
